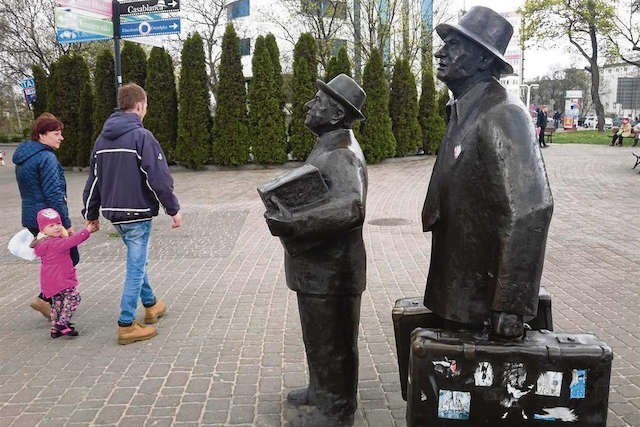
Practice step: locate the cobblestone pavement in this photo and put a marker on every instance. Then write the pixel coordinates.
(230, 348)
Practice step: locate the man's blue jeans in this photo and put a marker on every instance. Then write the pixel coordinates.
(135, 236)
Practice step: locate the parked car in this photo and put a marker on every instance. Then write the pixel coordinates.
(590, 122)
(608, 123)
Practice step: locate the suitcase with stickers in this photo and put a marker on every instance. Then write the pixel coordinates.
(457, 378)
(410, 313)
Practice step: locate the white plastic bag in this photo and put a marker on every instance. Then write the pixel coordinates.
(19, 245)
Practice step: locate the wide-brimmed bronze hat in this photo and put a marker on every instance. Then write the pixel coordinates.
(346, 91)
(485, 27)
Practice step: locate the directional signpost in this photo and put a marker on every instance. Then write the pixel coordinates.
(91, 20)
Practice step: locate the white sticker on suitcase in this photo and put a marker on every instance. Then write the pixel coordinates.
(448, 368)
(549, 384)
(557, 414)
(454, 405)
(484, 375)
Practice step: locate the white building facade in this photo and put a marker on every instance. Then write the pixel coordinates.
(620, 90)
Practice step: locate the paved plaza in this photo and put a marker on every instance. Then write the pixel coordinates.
(230, 347)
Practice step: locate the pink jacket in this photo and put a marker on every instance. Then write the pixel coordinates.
(57, 271)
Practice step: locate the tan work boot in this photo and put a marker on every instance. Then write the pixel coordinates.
(135, 332)
(38, 304)
(153, 313)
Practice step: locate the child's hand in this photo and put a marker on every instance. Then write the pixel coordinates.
(92, 226)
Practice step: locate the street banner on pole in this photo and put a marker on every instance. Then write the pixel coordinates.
(28, 86)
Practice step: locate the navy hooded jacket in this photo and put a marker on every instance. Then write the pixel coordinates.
(41, 182)
(128, 175)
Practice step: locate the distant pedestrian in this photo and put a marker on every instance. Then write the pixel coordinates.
(556, 119)
(58, 279)
(128, 180)
(42, 184)
(541, 123)
(623, 132)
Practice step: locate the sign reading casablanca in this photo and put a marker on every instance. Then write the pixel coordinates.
(139, 7)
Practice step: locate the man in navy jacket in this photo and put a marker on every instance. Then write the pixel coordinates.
(128, 181)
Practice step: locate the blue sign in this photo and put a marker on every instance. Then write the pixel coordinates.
(28, 82)
(154, 27)
(68, 35)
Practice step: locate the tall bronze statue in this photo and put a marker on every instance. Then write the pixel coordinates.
(318, 210)
(488, 205)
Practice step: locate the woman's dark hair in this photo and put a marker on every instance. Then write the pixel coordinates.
(46, 122)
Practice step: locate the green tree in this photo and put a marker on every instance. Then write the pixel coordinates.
(41, 81)
(272, 46)
(105, 88)
(134, 63)
(162, 112)
(375, 134)
(230, 145)
(85, 131)
(194, 115)
(443, 99)
(585, 23)
(403, 109)
(68, 79)
(431, 124)
(303, 87)
(339, 64)
(266, 120)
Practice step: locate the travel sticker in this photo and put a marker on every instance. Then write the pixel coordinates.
(448, 368)
(578, 387)
(557, 414)
(454, 405)
(549, 384)
(484, 375)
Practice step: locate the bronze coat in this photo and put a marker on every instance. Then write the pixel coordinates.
(336, 262)
(488, 207)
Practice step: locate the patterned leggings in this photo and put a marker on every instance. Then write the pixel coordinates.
(63, 304)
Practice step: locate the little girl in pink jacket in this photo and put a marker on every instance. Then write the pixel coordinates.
(58, 278)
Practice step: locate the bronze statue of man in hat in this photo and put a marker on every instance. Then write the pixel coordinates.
(318, 210)
(488, 204)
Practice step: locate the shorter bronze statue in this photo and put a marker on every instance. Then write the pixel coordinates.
(488, 205)
(317, 211)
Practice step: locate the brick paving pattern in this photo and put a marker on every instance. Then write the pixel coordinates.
(229, 348)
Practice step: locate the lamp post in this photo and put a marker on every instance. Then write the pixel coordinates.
(529, 86)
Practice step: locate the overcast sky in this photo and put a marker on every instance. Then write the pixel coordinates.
(537, 61)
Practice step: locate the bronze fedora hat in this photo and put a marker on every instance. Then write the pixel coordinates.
(487, 28)
(346, 91)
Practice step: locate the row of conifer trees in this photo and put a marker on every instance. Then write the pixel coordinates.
(262, 122)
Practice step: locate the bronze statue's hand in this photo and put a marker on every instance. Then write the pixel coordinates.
(278, 226)
(507, 325)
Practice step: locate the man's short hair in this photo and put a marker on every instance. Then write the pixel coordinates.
(46, 122)
(129, 95)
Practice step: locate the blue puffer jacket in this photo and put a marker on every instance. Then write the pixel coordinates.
(41, 181)
(128, 174)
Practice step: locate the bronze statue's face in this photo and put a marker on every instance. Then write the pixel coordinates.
(321, 113)
(458, 59)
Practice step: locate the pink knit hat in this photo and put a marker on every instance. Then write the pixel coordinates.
(48, 216)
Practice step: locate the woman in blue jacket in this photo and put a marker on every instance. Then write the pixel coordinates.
(42, 185)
